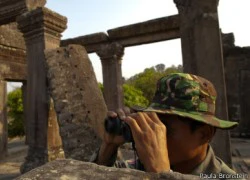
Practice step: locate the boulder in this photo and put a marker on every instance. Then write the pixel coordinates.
(73, 170)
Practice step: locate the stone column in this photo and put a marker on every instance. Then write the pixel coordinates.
(3, 119)
(202, 55)
(42, 30)
(24, 97)
(111, 58)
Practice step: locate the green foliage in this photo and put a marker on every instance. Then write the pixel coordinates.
(100, 85)
(146, 81)
(15, 113)
(132, 96)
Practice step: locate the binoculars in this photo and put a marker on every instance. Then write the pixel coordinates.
(118, 127)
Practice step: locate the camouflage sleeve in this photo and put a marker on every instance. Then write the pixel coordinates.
(112, 162)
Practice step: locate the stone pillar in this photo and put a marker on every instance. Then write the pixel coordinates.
(202, 55)
(3, 120)
(24, 97)
(41, 29)
(111, 58)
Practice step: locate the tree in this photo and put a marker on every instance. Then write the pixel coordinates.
(132, 96)
(160, 67)
(15, 113)
(146, 81)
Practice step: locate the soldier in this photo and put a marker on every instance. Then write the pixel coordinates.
(174, 132)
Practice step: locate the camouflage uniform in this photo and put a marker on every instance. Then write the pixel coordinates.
(189, 96)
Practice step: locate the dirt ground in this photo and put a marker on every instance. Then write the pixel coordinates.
(9, 166)
(17, 150)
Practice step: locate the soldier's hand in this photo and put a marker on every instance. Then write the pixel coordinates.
(149, 134)
(112, 139)
(111, 142)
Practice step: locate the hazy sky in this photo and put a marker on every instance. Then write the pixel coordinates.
(91, 16)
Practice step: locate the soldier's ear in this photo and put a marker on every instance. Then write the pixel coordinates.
(205, 133)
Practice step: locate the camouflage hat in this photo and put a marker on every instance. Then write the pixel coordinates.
(189, 96)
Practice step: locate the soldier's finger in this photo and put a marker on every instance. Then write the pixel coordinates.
(135, 128)
(153, 116)
(141, 121)
(111, 114)
(121, 113)
(126, 110)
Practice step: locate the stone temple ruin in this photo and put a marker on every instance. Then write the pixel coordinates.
(32, 52)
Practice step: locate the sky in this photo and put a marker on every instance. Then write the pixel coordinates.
(91, 16)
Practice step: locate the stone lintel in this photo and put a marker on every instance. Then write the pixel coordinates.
(155, 30)
(13, 71)
(149, 38)
(11, 37)
(10, 9)
(9, 54)
(91, 42)
(147, 32)
(42, 20)
(12, 64)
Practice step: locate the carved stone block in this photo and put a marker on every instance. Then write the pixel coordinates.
(10, 9)
(79, 103)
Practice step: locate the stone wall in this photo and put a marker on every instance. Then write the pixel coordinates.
(12, 54)
(237, 71)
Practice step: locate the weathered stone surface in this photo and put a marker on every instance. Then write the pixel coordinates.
(55, 150)
(155, 30)
(42, 17)
(10, 37)
(12, 54)
(13, 71)
(79, 103)
(10, 9)
(111, 58)
(3, 119)
(42, 30)
(12, 64)
(227, 40)
(24, 98)
(237, 73)
(202, 55)
(91, 42)
(73, 170)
